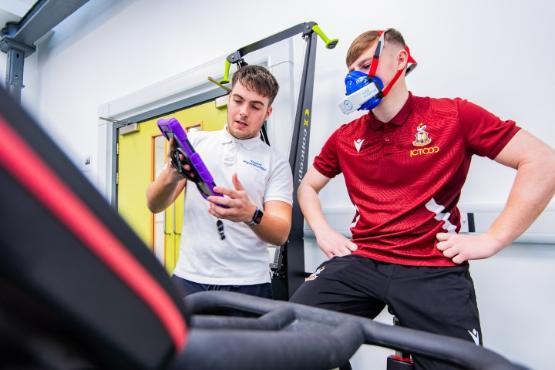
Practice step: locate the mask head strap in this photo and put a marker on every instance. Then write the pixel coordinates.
(376, 60)
(377, 52)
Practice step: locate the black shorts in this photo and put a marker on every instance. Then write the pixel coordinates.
(439, 300)
(186, 287)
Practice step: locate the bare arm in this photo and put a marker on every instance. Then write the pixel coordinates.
(307, 195)
(164, 190)
(276, 222)
(330, 241)
(532, 190)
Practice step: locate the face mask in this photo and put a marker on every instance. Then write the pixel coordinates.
(362, 93)
(366, 91)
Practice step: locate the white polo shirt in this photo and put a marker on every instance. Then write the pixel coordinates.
(241, 258)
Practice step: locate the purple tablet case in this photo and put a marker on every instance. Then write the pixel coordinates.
(171, 128)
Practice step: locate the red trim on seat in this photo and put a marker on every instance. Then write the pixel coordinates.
(33, 174)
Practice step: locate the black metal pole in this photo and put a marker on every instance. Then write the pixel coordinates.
(294, 258)
(16, 53)
(14, 72)
(288, 266)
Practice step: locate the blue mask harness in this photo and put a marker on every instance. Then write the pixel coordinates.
(366, 91)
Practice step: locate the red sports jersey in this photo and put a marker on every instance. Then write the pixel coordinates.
(405, 176)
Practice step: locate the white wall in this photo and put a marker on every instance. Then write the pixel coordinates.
(498, 54)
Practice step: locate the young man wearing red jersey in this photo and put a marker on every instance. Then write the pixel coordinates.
(404, 164)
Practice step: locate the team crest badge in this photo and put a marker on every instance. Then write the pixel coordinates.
(421, 138)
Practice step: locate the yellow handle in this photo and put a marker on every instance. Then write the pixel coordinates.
(330, 43)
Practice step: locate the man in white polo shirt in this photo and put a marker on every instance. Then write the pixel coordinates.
(224, 240)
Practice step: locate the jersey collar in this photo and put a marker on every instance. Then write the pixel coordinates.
(399, 118)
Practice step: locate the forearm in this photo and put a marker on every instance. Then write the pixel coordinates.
(162, 192)
(532, 190)
(273, 229)
(312, 208)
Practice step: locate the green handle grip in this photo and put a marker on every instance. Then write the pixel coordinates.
(330, 43)
(227, 67)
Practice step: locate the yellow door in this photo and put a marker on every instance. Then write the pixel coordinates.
(141, 156)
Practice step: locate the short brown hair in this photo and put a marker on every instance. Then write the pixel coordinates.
(367, 39)
(257, 78)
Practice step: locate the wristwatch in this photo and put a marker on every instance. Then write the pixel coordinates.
(256, 217)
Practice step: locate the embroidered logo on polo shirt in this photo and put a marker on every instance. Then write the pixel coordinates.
(254, 164)
(358, 144)
(421, 138)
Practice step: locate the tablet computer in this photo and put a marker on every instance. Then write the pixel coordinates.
(171, 128)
